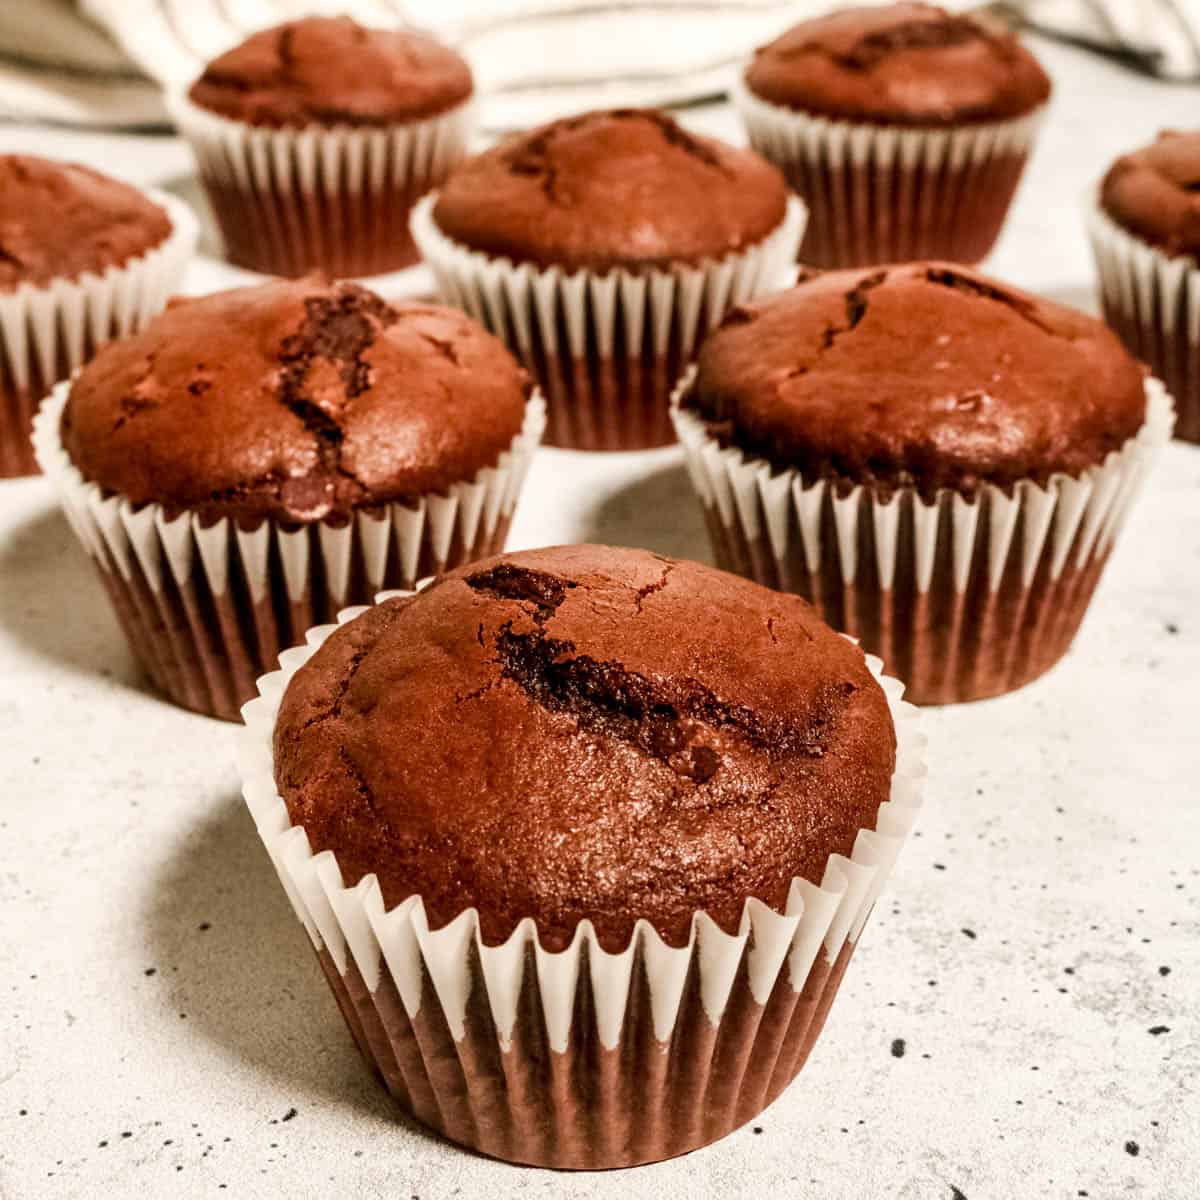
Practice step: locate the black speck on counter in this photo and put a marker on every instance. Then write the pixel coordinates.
(1171, 627)
(758, 1129)
(970, 933)
(102, 1144)
(1156, 1030)
(150, 971)
(204, 926)
(126, 1133)
(1068, 970)
(287, 1116)
(939, 866)
(1164, 971)
(898, 1047)
(1132, 1148)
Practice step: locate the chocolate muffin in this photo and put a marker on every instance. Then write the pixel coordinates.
(659, 756)
(319, 92)
(1146, 236)
(932, 423)
(319, 443)
(60, 224)
(588, 745)
(614, 239)
(333, 71)
(862, 107)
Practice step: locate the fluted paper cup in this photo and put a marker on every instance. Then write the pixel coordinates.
(961, 597)
(890, 193)
(47, 331)
(607, 349)
(207, 608)
(334, 198)
(581, 1058)
(1152, 303)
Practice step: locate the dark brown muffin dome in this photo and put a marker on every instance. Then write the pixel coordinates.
(333, 71)
(927, 375)
(59, 220)
(1155, 193)
(627, 188)
(294, 400)
(900, 64)
(585, 732)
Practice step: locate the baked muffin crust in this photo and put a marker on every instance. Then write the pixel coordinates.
(585, 733)
(295, 400)
(333, 71)
(900, 64)
(59, 220)
(625, 188)
(927, 375)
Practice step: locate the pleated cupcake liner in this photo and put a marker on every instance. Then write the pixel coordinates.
(884, 193)
(607, 349)
(582, 1058)
(337, 199)
(961, 597)
(47, 331)
(1152, 303)
(208, 607)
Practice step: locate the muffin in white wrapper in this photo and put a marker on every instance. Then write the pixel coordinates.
(600, 249)
(335, 199)
(889, 193)
(207, 606)
(1152, 301)
(962, 597)
(47, 331)
(580, 1058)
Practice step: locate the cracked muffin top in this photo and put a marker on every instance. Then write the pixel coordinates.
(333, 71)
(294, 400)
(59, 220)
(927, 375)
(900, 64)
(585, 733)
(1155, 193)
(626, 188)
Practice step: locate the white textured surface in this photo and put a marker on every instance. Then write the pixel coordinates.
(161, 1014)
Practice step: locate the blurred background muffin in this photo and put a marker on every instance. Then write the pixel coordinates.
(904, 128)
(314, 139)
(1144, 224)
(83, 258)
(601, 248)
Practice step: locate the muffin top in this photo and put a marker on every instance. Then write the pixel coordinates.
(293, 400)
(585, 732)
(627, 188)
(333, 71)
(59, 220)
(900, 64)
(1155, 193)
(927, 375)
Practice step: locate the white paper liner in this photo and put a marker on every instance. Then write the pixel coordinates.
(329, 197)
(1152, 301)
(1070, 523)
(394, 541)
(47, 331)
(657, 313)
(933, 193)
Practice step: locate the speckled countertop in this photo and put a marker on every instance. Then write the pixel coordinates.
(1020, 1020)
